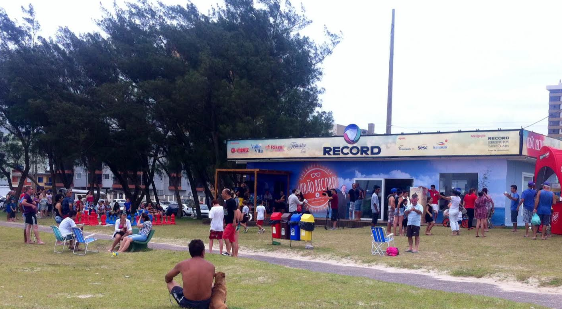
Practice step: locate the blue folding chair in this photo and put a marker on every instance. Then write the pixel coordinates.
(380, 239)
(79, 238)
(59, 239)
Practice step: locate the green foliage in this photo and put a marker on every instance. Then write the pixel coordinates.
(163, 83)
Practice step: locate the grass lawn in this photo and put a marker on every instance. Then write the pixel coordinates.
(502, 254)
(35, 277)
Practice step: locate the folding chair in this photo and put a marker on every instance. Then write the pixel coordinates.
(79, 238)
(59, 239)
(379, 239)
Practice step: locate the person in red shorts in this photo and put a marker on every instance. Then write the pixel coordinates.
(217, 225)
(229, 234)
(260, 217)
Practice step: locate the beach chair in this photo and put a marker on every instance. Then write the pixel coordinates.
(59, 239)
(79, 238)
(379, 240)
(140, 245)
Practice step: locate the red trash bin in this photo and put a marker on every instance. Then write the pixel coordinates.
(556, 224)
(276, 225)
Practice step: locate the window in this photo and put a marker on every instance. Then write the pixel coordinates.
(40, 179)
(105, 176)
(554, 131)
(554, 123)
(554, 115)
(555, 99)
(464, 181)
(556, 91)
(554, 106)
(78, 175)
(160, 192)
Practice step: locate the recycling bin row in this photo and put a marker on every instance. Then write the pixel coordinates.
(292, 226)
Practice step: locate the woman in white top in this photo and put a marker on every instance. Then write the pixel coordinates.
(454, 211)
(122, 229)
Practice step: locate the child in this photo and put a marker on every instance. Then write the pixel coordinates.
(216, 214)
(11, 206)
(260, 217)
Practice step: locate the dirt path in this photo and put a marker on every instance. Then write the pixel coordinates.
(549, 297)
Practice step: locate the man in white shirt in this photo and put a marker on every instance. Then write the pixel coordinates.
(294, 201)
(65, 228)
(414, 213)
(375, 205)
(260, 217)
(216, 214)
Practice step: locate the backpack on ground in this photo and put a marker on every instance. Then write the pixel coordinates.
(392, 251)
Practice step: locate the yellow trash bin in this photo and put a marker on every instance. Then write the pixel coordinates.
(307, 226)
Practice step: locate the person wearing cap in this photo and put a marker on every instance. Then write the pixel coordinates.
(528, 202)
(391, 208)
(543, 204)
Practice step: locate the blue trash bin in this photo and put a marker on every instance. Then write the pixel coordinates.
(294, 227)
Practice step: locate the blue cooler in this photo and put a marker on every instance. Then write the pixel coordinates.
(294, 226)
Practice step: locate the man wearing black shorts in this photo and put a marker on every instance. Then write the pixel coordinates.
(375, 205)
(30, 211)
(197, 275)
(334, 206)
(414, 213)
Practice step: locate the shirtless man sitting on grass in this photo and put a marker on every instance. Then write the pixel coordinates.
(197, 275)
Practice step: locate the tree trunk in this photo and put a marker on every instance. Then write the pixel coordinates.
(155, 192)
(193, 190)
(7, 175)
(53, 174)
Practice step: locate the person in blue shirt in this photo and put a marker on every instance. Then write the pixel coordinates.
(414, 213)
(128, 206)
(543, 207)
(528, 202)
(514, 197)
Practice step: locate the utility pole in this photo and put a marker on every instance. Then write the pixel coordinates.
(390, 77)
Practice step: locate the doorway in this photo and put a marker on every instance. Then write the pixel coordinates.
(368, 185)
(389, 184)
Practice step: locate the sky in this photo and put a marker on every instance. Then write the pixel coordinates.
(457, 65)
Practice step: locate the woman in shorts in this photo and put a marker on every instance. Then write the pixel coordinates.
(122, 228)
(429, 219)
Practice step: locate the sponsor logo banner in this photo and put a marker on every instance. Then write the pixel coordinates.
(416, 145)
(533, 142)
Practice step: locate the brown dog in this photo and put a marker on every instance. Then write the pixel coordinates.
(218, 295)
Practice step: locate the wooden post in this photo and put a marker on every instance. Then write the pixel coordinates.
(255, 194)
